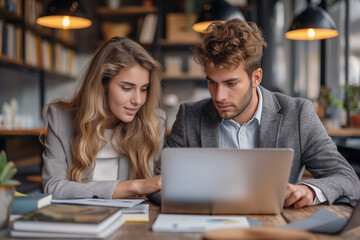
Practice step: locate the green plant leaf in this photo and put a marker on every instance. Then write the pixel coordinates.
(9, 183)
(2, 160)
(8, 172)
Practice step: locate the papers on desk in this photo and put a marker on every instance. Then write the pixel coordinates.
(196, 223)
(138, 213)
(101, 202)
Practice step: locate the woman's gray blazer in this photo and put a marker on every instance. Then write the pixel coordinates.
(58, 158)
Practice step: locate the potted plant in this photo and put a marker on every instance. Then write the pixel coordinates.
(353, 103)
(7, 188)
(327, 104)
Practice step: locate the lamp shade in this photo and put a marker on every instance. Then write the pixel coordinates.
(64, 14)
(312, 24)
(215, 10)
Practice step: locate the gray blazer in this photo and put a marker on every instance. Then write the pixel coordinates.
(286, 122)
(58, 158)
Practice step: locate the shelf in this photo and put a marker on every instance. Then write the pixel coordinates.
(10, 15)
(125, 11)
(49, 34)
(344, 132)
(44, 32)
(22, 132)
(5, 59)
(58, 76)
(23, 67)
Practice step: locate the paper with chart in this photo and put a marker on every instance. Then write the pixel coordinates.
(196, 223)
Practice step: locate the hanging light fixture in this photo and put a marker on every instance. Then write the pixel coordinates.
(215, 10)
(64, 14)
(312, 24)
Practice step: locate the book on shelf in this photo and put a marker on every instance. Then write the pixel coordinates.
(138, 213)
(69, 221)
(30, 49)
(1, 35)
(28, 203)
(148, 29)
(18, 43)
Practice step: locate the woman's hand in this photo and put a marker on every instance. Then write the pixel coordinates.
(147, 186)
(137, 187)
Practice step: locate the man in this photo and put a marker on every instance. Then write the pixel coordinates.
(242, 114)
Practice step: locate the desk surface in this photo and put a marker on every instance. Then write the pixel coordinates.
(142, 230)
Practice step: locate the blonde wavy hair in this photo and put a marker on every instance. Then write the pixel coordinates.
(227, 44)
(138, 139)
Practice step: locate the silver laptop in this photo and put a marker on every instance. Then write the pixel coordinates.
(224, 181)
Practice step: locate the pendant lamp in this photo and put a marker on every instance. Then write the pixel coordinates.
(215, 10)
(64, 14)
(312, 24)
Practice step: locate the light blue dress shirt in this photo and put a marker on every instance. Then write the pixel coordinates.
(234, 135)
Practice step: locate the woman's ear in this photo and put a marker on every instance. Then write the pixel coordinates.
(257, 77)
(105, 80)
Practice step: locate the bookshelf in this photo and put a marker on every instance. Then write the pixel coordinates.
(123, 11)
(136, 22)
(31, 58)
(28, 50)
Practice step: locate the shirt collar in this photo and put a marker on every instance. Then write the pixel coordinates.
(257, 114)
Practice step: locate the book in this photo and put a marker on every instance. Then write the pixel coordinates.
(148, 29)
(138, 213)
(69, 221)
(196, 223)
(28, 203)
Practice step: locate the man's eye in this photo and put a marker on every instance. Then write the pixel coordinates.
(211, 83)
(231, 84)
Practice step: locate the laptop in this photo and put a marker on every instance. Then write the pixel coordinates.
(224, 181)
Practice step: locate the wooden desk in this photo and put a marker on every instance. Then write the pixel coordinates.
(143, 230)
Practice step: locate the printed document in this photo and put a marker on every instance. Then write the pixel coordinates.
(101, 202)
(196, 223)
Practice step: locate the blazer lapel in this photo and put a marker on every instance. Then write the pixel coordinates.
(270, 121)
(210, 127)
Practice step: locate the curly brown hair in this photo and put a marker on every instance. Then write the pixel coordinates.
(227, 44)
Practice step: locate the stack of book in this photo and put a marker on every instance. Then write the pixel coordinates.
(69, 221)
(24, 204)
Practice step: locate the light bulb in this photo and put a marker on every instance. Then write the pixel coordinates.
(311, 33)
(66, 21)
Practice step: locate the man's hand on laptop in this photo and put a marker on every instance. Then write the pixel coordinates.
(299, 195)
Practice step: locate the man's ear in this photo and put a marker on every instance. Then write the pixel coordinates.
(257, 77)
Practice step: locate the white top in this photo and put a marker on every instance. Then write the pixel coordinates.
(110, 165)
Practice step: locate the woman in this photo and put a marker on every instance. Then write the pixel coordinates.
(104, 143)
